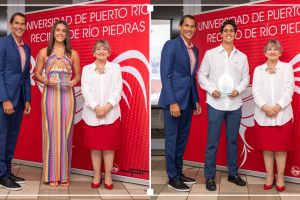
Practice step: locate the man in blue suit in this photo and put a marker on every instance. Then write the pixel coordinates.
(14, 96)
(179, 97)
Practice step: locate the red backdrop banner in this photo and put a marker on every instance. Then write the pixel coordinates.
(257, 23)
(125, 25)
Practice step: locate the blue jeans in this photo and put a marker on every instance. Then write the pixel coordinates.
(215, 121)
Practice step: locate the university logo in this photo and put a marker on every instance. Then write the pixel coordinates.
(115, 169)
(295, 171)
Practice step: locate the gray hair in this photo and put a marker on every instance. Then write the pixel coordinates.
(102, 43)
(273, 43)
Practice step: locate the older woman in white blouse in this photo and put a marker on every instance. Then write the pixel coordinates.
(101, 87)
(273, 89)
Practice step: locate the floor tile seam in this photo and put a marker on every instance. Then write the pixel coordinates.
(155, 166)
(220, 183)
(18, 169)
(162, 188)
(193, 184)
(126, 190)
(247, 187)
(280, 197)
(69, 189)
(40, 187)
(6, 195)
(158, 163)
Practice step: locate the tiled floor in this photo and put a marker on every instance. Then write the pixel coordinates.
(79, 185)
(254, 186)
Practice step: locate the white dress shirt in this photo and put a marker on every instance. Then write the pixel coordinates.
(100, 89)
(214, 64)
(272, 89)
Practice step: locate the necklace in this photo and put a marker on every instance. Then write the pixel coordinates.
(270, 71)
(99, 70)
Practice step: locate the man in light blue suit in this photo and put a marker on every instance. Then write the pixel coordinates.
(15, 96)
(179, 97)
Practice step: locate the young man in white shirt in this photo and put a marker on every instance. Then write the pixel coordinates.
(217, 61)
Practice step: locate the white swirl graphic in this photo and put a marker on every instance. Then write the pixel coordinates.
(247, 119)
(294, 61)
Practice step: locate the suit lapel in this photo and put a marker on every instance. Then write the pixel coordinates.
(185, 52)
(17, 53)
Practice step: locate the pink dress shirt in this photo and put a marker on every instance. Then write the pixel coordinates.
(190, 49)
(22, 52)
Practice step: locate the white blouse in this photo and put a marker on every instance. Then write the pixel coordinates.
(100, 89)
(272, 89)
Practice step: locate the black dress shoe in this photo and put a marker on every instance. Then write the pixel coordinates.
(210, 184)
(17, 179)
(187, 180)
(178, 185)
(236, 180)
(9, 184)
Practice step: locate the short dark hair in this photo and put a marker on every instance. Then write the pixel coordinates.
(231, 22)
(186, 16)
(17, 14)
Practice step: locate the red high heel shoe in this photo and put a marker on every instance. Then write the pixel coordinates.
(95, 185)
(267, 187)
(280, 189)
(108, 186)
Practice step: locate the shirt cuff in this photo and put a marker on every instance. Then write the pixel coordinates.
(261, 103)
(112, 102)
(93, 105)
(211, 90)
(238, 89)
(281, 103)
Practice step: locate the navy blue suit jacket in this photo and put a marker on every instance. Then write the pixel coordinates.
(11, 74)
(176, 76)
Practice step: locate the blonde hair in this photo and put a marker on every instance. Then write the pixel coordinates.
(273, 43)
(102, 43)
